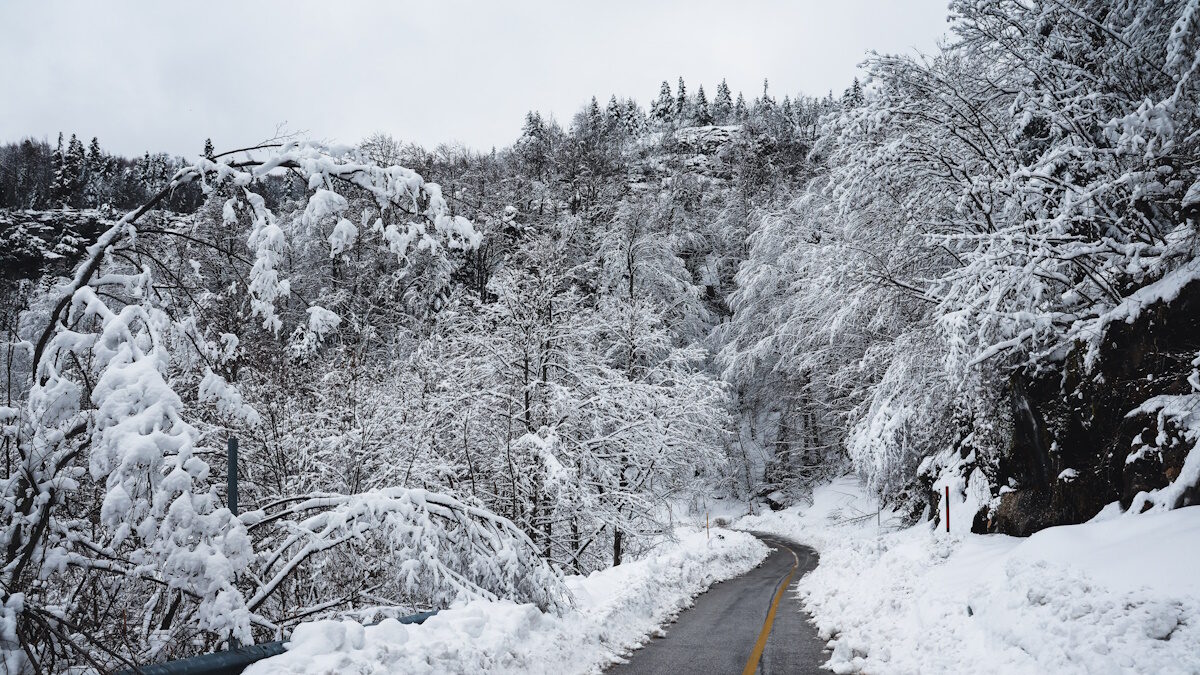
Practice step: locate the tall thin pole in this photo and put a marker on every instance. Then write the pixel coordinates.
(231, 476)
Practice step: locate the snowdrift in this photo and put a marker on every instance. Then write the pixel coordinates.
(617, 609)
(1115, 595)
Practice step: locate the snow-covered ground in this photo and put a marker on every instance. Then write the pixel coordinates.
(615, 611)
(1120, 594)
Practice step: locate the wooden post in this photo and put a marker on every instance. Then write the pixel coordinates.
(706, 534)
(947, 508)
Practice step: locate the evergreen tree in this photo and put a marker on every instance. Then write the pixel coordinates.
(765, 106)
(95, 156)
(635, 121)
(142, 173)
(614, 113)
(74, 172)
(532, 129)
(595, 118)
(723, 104)
(533, 146)
(853, 97)
(739, 108)
(58, 185)
(702, 114)
(663, 110)
(681, 104)
(76, 162)
(93, 185)
(209, 151)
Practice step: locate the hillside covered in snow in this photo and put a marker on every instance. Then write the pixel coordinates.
(300, 389)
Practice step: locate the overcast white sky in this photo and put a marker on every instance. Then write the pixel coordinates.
(166, 75)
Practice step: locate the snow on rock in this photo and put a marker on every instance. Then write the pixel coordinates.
(1111, 596)
(617, 609)
(1192, 197)
(1090, 331)
(707, 139)
(1176, 411)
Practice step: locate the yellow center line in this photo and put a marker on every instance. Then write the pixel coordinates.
(756, 654)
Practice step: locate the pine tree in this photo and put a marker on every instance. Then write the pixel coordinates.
(739, 108)
(76, 159)
(209, 151)
(766, 102)
(95, 156)
(722, 104)
(702, 114)
(142, 171)
(73, 172)
(681, 103)
(614, 113)
(635, 121)
(663, 110)
(853, 96)
(532, 145)
(58, 185)
(594, 116)
(532, 129)
(93, 186)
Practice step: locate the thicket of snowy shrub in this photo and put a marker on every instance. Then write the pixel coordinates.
(119, 545)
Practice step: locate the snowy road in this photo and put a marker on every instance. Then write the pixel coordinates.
(736, 627)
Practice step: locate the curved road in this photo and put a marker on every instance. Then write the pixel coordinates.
(725, 628)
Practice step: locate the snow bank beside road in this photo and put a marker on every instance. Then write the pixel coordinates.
(616, 610)
(1117, 596)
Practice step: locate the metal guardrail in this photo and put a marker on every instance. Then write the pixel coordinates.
(232, 661)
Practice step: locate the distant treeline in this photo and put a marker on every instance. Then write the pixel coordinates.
(37, 175)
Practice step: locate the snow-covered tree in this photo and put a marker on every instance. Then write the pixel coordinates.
(702, 112)
(663, 109)
(614, 113)
(683, 107)
(114, 500)
(722, 108)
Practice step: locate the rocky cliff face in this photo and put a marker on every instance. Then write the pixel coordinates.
(33, 243)
(1085, 437)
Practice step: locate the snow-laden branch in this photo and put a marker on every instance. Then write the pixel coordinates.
(428, 545)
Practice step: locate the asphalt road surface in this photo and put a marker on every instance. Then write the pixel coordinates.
(732, 627)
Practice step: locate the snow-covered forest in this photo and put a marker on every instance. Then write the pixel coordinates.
(462, 375)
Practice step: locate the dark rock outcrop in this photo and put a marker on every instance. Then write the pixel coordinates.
(1069, 419)
(34, 243)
